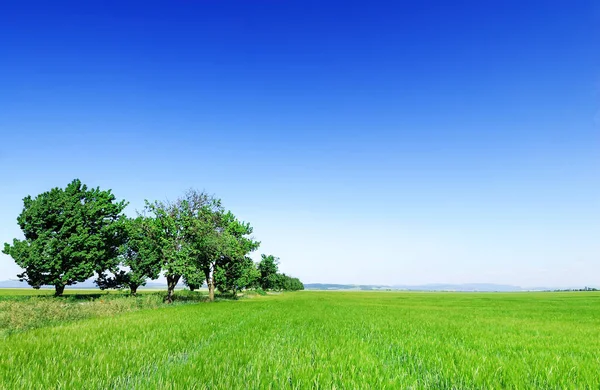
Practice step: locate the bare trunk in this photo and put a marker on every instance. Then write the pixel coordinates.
(59, 289)
(211, 290)
(133, 289)
(171, 283)
(210, 281)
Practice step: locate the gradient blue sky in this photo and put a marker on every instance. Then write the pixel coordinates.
(400, 142)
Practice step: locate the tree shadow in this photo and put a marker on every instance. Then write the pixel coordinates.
(84, 297)
(189, 296)
(180, 296)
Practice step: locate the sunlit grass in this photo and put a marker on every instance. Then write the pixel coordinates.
(12, 292)
(344, 340)
(20, 312)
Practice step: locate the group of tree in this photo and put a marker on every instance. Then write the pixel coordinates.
(271, 279)
(75, 233)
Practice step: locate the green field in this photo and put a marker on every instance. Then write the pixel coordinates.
(342, 340)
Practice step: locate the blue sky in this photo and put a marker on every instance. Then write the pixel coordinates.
(366, 142)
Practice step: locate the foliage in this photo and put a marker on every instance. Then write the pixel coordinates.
(235, 276)
(69, 234)
(259, 291)
(236, 271)
(137, 254)
(72, 234)
(268, 267)
(220, 244)
(271, 279)
(173, 231)
(194, 280)
(288, 283)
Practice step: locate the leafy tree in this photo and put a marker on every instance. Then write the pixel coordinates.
(137, 254)
(194, 280)
(271, 279)
(219, 240)
(166, 232)
(174, 230)
(235, 276)
(268, 267)
(296, 284)
(287, 283)
(208, 247)
(69, 234)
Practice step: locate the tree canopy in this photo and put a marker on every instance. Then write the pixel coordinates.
(139, 260)
(271, 279)
(70, 234)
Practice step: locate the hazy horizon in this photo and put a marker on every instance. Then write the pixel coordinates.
(379, 143)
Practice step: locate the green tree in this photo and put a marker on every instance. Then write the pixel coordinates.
(268, 267)
(219, 239)
(233, 260)
(204, 234)
(69, 234)
(235, 276)
(194, 279)
(175, 228)
(287, 283)
(166, 232)
(240, 269)
(137, 255)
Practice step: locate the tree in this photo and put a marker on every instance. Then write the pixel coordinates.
(137, 254)
(220, 240)
(268, 267)
(271, 279)
(166, 232)
(194, 280)
(235, 276)
(287, 283)
(69, 234)
(175, 227)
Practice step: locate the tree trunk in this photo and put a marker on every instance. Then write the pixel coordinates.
(210, 282)
(133, 289)
(171, 283)
(59, 289)
(211, 289)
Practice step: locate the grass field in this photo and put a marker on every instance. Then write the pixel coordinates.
(25, 309)
(342, 340)
(9, 293)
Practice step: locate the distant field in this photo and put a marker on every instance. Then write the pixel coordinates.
(344, 340)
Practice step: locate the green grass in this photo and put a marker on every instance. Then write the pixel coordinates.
(10, 293)
(6, 293)
(20, 312)
(342, 340)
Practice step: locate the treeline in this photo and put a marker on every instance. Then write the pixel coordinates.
(75, 233)
(577, 289)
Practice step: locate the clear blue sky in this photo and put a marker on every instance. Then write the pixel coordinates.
(399, 142)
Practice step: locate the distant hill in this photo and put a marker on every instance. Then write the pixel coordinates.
(13, 284)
